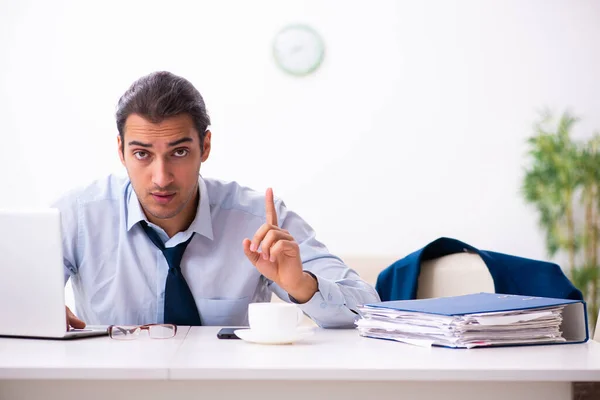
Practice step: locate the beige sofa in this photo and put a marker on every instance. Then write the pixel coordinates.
(451, 275)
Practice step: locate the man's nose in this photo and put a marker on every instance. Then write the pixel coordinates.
(161, 175)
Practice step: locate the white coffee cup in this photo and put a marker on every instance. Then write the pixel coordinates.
(274, 318)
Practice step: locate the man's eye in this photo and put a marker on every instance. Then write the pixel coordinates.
(181, 152)
(140, 155)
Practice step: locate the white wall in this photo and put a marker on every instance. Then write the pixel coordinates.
(413, 128)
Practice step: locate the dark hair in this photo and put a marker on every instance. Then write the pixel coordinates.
(160, 95)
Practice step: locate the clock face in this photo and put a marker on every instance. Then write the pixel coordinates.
(298, 49)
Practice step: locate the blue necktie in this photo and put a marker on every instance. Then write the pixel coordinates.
(180, 307)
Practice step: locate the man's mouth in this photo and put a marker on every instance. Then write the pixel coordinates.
(162, 198)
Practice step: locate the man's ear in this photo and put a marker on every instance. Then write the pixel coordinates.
(206, 146)
(121, 149)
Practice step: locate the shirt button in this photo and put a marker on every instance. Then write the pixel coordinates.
(323, 305)
(329, 297)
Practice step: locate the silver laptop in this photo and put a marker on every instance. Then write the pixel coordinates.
(32, 293)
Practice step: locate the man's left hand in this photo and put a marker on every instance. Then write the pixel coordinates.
(279, 256)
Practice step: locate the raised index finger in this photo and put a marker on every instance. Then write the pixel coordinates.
(270, 208)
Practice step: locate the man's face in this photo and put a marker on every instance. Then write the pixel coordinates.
(163, 163)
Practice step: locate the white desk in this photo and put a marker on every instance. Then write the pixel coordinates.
(332, 364)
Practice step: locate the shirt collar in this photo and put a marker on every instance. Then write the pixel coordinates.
(202, 223)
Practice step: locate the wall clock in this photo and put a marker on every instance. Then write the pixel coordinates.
(298, 50)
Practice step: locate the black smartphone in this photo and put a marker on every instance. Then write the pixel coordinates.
(227, 333)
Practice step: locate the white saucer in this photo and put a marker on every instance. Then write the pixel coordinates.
(275, 338)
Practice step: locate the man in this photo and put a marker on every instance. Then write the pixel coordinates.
(167, 245)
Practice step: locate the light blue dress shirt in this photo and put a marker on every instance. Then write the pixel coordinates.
(118, 274)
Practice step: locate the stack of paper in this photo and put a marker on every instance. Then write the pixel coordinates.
(483, 319)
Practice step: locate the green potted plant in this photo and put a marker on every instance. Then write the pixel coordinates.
(562, 182)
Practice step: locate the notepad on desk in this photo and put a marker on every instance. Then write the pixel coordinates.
(476, 320)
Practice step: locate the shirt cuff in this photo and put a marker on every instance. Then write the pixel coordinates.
(327, 305)
(293, 300)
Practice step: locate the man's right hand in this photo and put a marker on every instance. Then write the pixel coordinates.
(73, 321)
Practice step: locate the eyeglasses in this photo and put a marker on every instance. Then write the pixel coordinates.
(129, 332)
